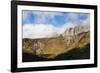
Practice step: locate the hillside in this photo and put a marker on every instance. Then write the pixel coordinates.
(57, 47)
(75, 54)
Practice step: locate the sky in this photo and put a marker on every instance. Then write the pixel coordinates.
(40, 24)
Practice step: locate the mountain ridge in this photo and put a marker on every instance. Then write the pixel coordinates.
(57, 45)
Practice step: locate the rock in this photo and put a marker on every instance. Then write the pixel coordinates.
(77, 29)
(38, 47)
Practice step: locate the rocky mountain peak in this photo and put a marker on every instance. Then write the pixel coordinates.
(76, 29)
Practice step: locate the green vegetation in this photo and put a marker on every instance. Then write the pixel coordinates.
(54, 47)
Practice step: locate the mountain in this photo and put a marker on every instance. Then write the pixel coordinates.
(49, 31)
(76, 36)
(76, 29)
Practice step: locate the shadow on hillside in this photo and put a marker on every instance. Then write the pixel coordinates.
(75, 54)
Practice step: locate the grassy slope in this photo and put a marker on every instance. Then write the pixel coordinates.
(74, 54)
(56, 46)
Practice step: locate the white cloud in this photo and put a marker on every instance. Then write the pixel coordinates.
(34, 31)
(87, 21)
(26, 14)
(38, 31)
(73, 17)
(40, 16)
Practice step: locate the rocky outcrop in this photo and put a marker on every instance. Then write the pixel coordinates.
(38, 47)
(76, 29)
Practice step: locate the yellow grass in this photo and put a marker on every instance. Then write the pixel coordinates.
(58, 45)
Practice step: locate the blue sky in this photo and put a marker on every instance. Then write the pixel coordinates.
(41, 23)
(55, 18)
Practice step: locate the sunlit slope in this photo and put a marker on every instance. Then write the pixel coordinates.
(57, 45)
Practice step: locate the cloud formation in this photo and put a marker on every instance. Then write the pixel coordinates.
(40, 16)
(40, 24)
(38, 31)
